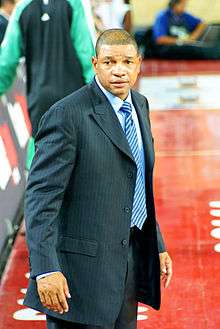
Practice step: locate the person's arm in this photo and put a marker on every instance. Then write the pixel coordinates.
(196, 26)
(49, 175)
(48, 178)
(82, 40)
(160, 240)
(198, 31)
(165, 260)
(127, 23)
(160, 31)
(166, 40)
(166, 270)
(10, 52)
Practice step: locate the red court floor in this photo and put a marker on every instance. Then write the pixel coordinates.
(187, 191)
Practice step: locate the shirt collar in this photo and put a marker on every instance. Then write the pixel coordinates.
(115, 101)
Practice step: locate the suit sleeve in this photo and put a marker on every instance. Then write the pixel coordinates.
(160, 240)
(49, 176)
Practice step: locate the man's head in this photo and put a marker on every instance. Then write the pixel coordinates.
(7, 5)
(117, 61)
(178, 6)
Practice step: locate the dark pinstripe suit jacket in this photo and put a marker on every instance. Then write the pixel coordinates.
(78, 207)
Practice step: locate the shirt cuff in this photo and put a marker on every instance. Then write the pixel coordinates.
(38, 277)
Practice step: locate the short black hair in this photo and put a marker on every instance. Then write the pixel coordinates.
(172, 3)
(115, 37)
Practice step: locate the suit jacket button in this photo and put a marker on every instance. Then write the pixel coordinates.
(127, 210)
(130, 174)
(124, 242)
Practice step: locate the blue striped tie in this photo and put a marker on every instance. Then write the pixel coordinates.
(139, 211)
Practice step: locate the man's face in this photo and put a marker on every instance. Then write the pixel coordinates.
(180, 7)
(117, 68)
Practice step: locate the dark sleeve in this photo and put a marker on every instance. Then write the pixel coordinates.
(160, 241)
(160, 27)
(192, 21)
(49, 175)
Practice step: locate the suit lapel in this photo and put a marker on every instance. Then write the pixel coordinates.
(140, 106)
(106, 118)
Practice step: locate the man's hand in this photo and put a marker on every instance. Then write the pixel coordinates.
(53, 291)
(166, 270)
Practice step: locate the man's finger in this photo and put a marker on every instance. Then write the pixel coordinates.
(167, 282)
(62, 299)
(169, 275)
(42, 298)
(66, 289)
(48, 302)
(57, 307)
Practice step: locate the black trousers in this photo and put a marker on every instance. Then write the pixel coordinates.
(127, 318)
(187, 52)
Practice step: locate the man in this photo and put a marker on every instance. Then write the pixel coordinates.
(54, 38)
(6, 8)
(91, 228)
(176, 32)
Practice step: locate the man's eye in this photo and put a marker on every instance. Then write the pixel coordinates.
(129, 62)
(107, 62)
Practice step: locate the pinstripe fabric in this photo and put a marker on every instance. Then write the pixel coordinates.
(78, 207)
(139, 210)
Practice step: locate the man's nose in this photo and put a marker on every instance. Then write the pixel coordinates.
(119, 70)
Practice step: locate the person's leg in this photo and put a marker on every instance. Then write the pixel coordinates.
(54, 323)
(211, 52)
(127, 318)
(187, 52)
(128, 314)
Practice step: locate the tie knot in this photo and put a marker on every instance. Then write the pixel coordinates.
(126, 108)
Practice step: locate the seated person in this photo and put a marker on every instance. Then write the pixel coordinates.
(176, 32)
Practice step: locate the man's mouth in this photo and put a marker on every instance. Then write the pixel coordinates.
(119, 83)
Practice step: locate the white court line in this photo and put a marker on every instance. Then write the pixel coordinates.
(215, 222)
(215, 233)
(141, 317)
(215, 212)
(214, 204)
(23, 291)
(217, 247)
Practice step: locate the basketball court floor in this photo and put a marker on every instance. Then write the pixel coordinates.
(185, 115)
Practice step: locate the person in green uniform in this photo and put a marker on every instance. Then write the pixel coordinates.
(54, 38)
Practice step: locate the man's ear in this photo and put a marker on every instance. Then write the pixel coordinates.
(139, 62)
(140, 58)
(94, 62)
